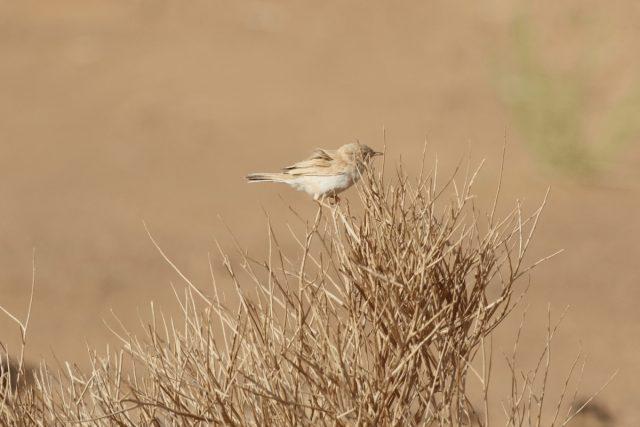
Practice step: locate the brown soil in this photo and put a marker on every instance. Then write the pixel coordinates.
(117, 112)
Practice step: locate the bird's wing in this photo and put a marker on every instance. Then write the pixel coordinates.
(320, 163)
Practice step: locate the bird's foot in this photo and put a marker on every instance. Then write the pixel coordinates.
(328, 200)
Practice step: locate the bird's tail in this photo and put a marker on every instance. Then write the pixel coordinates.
(267, 177)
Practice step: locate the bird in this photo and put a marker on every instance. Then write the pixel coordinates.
(326, 173)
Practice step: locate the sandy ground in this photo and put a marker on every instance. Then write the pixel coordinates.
(116, 112)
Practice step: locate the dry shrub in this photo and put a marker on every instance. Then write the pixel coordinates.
(375, 320)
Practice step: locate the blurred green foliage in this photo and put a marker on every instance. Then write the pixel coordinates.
(550, 110)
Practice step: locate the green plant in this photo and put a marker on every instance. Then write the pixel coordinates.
(551, 109)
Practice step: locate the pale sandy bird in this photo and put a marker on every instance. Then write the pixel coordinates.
(326, 173)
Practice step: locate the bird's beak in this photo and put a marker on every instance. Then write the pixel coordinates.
(377, 153)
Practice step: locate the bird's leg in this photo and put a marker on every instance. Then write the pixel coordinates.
(321, 200)
(328, 200)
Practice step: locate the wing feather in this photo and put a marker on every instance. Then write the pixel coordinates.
(319, 164)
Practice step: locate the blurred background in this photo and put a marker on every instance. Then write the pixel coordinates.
(116, 112)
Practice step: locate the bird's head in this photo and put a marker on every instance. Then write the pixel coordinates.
(358, 152)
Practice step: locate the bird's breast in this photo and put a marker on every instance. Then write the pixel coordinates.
(324, 184)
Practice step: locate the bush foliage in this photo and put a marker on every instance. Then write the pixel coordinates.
(374, 320)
